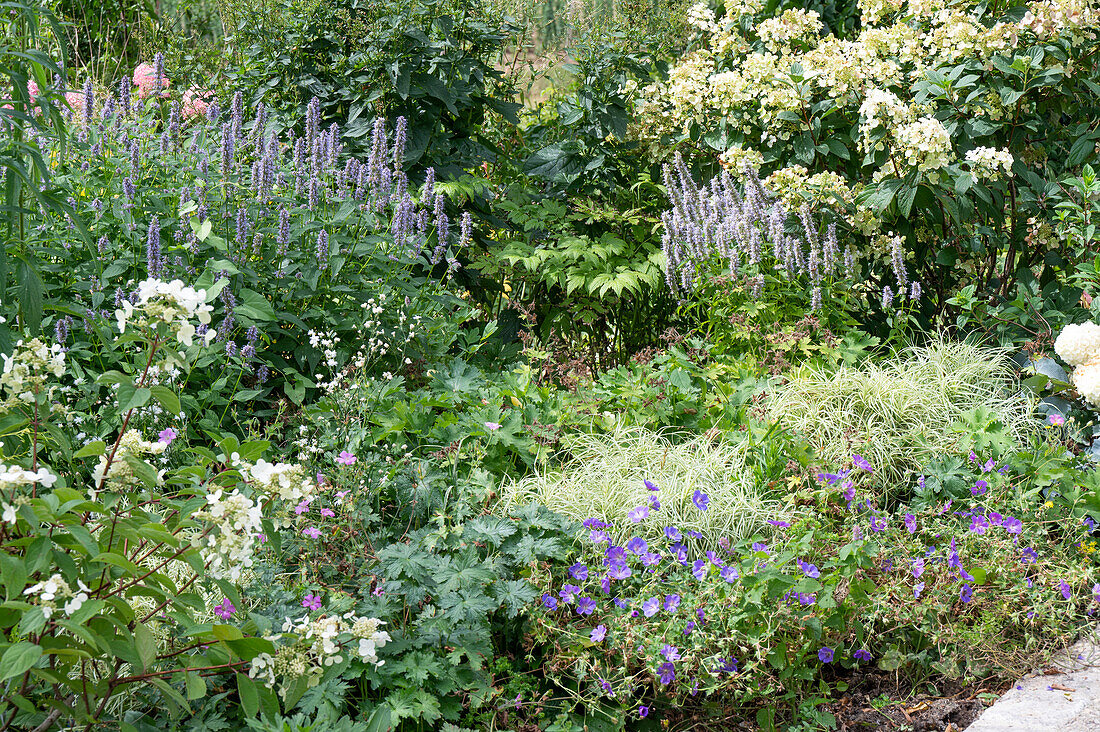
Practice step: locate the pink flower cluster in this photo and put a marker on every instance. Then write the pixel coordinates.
(195, 103)
(145, 77)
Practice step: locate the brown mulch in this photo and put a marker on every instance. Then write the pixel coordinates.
(876, 701)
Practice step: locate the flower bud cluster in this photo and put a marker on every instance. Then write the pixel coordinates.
(119, 476)
(28, 368)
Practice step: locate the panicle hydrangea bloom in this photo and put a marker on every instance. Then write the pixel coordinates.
(172, 303)
(314, 645)
(229, 545)
(28, 368)
(120, 476)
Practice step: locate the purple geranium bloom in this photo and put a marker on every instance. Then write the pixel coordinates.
(729, 574)
(1012, 524)
(605, 584)
(878, 525)
(225, 610)
(689, 627)
(780, 524)
(862, 655)
(637, 545)
(585, 606)
(618, 571)
(910, 523)
(978, 525)
(549, 602)
(621, 603)
(1029, 555)
(667, 672)
(1067, 591)
(966, 593)
(759, 547)
(672, 533)
(598, 536)
(654, 503)
(671, 653)
(1056, 419)
(989, 465)
(972, 457)
(312, 532)
(615, 554)
(651, 559)
(809, 570)
(312, 602)
(672, 602)
(850, 491)
(651, 486)
(701, 500)
(598, 633)
(700, 568)
(700, 614)
(643, 712)
(693, 534)
(918, 567)
(995, 519)
(979, 488)
(638, 514)
(825, 654)
(917, 589)
(346, 458)
(579, 571)
(806, 598)
(166, 436)
(965, 576)
(650, 607)
(568, 592)
(728, 665)
(1096, 592)
(862, 464)
(595, 523)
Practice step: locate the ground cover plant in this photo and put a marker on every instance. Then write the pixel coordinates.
(339, 392)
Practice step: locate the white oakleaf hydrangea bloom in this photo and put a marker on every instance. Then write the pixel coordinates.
(1078, 343)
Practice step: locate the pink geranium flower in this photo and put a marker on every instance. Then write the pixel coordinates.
(346, 458)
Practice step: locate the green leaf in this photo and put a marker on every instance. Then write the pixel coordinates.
(146, 645)
(196, 686)
(18, 658)
(92, 449)
(254, 306)
(249, 694)
(167, 399)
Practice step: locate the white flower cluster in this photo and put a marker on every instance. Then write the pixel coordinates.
(702, 17)
(925, 144)
(796, 26)
(120, 477)
(873, 11)
(13, 477)
(229, 546)
(989, 162)
(317, 644)
(29, 367)
(54, 589)
(172, 303)
(1079, 346)
(1051, 17)
(881, 109)
(282, 480)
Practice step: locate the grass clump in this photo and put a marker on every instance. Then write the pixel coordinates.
(606, 476)
(900, 414)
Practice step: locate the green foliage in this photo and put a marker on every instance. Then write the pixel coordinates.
(431, 61)
(774, 623)
(605, 479)
(902, 413)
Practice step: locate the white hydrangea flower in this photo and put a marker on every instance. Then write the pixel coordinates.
(989, 162)
(1086, 379)
(1078, 343)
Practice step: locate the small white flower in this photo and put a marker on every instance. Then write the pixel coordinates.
(9, 514)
